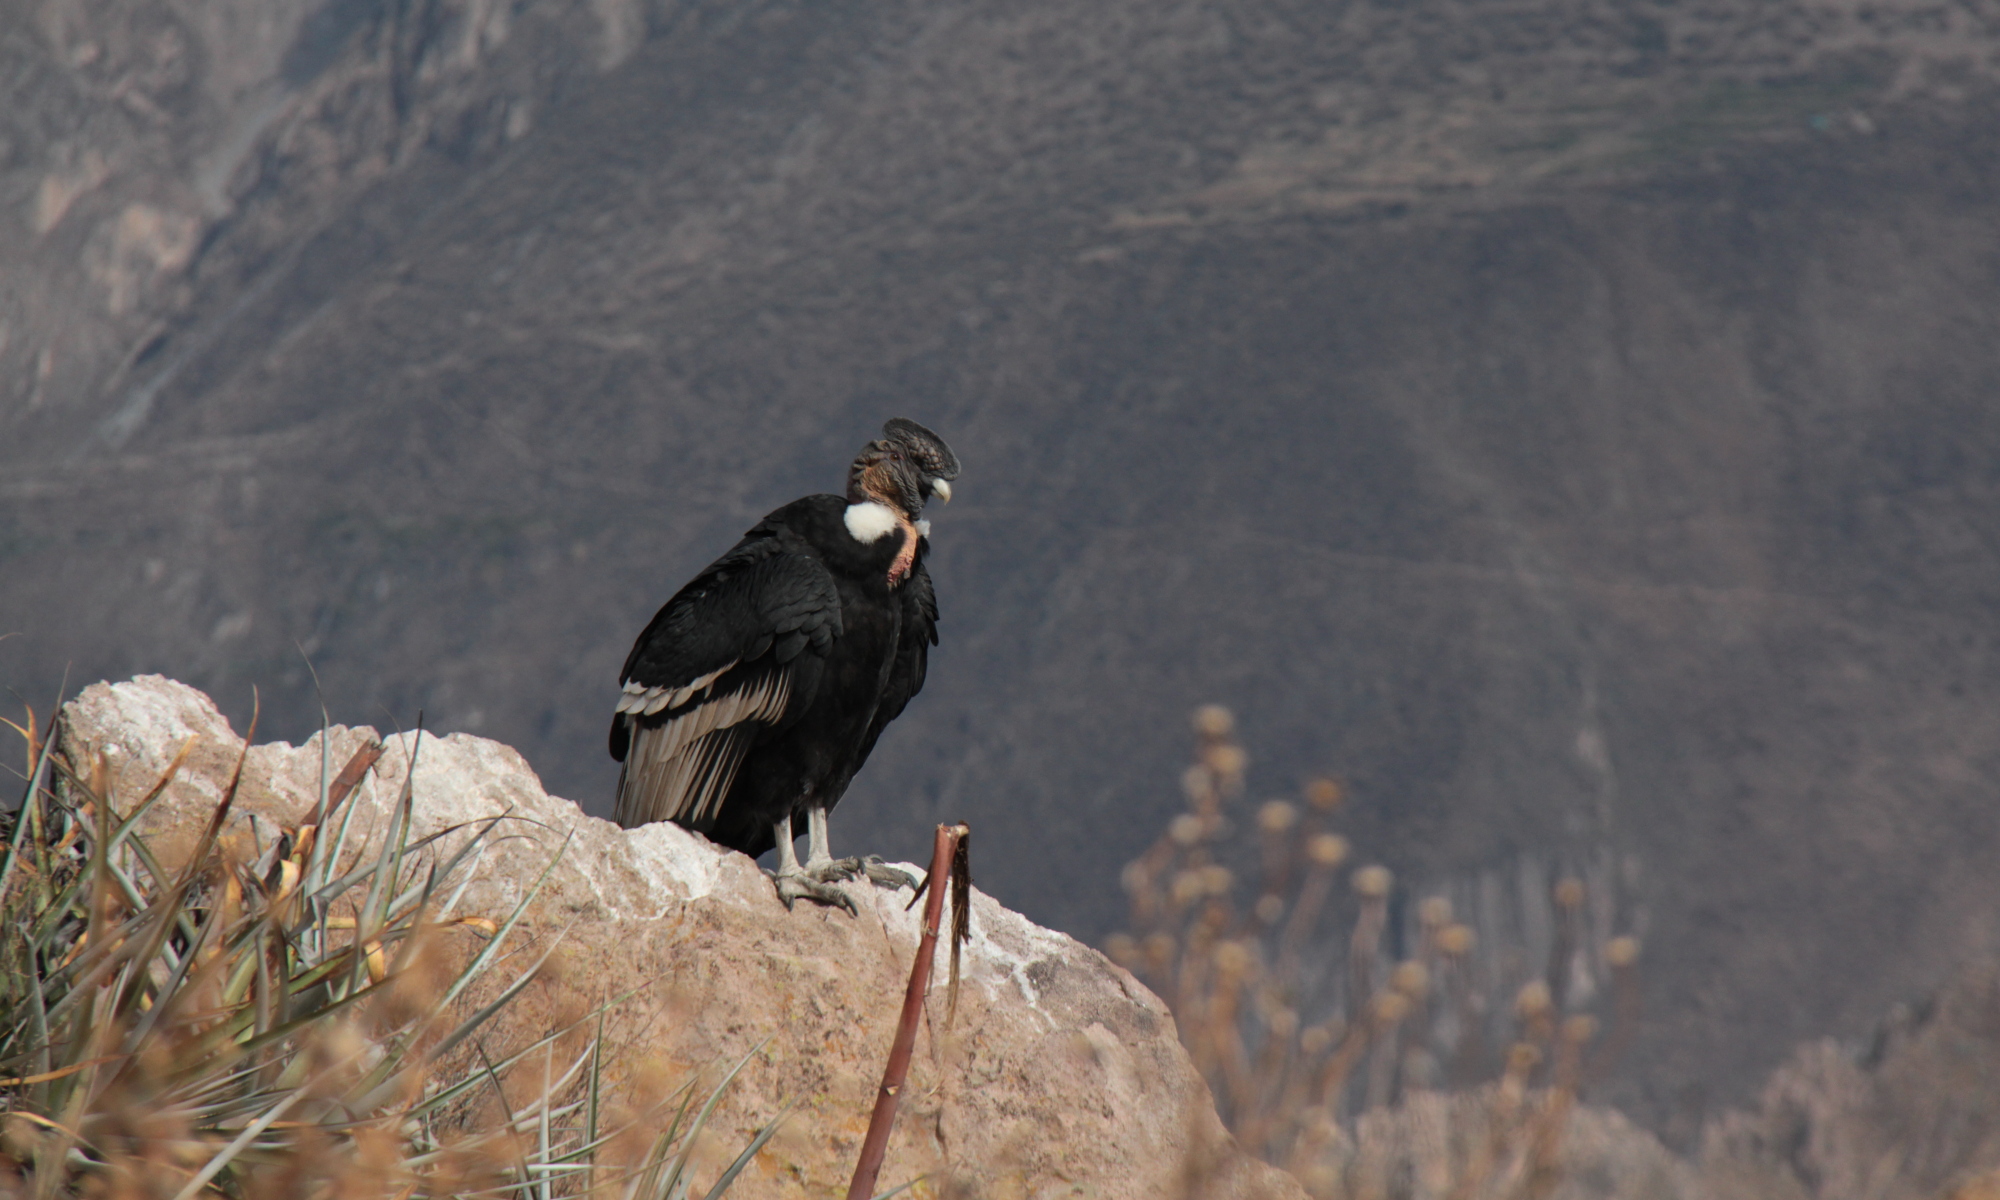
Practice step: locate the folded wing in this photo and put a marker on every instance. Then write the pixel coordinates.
(737, 653)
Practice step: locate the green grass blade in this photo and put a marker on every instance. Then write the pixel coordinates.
(388, 864)
(677, 1176)
(485, 956)
(22, 821)
(446, 1095)
(381, 1082)
(728, 1177)
(222, 1158)
(152, 797)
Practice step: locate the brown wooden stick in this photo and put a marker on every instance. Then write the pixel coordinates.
(343, 783)
(877, 1142)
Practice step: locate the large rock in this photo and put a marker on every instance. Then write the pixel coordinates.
(1063, 1076)
(1435, 1145)
(1913, 1114)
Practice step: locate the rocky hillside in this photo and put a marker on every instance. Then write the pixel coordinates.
(1059, 1068)
(1060, 1074)
(1570, 422)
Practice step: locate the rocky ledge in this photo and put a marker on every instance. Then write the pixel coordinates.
(1060, 1076)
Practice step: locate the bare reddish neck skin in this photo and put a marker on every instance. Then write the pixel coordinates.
(906, 558)
(874, 487)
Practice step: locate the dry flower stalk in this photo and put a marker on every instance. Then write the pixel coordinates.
(1298, 1034)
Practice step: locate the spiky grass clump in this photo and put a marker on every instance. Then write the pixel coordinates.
(296, 1024)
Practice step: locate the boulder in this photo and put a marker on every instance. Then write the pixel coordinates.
(1912, 1114)
(1061, 1075)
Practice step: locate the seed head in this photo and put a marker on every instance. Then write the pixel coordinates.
(1315, 1039)
(1316, 1120)
(1412, 979)
(1390, 1007)
(1579, 1028)
(1373, 882)
(1283, 1023)
(1227, 760)
(1270, 906)
(1456, 940)
(1521, 1058)
(1569, 893)
(1622, 952)
(1533, 1000)
(1434, 912)
(1276, 817)
(1199, 784)
(1216, 880)
(1324, 794)
(1160, 949)
(1214, 721)
(1135, 877)
(1121, 949)
(1185, 829)
(1327, 849)
(1232, 959)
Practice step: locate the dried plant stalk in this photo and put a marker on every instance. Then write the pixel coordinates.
(1300, 1024)
(869, 1166)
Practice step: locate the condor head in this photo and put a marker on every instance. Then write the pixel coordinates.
(934, 461)
(903, 469)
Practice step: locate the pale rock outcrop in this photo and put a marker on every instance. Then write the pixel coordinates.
(1061, 1077)
(1913, 1115)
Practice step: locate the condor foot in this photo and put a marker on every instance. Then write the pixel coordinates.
(801, 885)
(877, 872)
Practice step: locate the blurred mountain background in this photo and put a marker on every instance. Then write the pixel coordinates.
(1570, 422)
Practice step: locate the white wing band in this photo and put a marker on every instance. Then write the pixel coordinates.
(678, 771)
(638, 698)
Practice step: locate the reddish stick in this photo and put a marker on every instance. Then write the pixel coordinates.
(877, 1142)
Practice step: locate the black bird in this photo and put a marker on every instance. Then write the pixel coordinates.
(758, 691)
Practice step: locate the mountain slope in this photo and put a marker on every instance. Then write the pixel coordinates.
(1569, 423)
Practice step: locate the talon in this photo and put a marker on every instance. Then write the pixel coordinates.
(793, 887)
(834, 869)
(882, 875)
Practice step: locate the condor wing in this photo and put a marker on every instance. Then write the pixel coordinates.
(738, 651)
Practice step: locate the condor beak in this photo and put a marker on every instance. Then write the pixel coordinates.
(941, 489)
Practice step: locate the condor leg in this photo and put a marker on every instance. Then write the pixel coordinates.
(822, 865)
(796, 883)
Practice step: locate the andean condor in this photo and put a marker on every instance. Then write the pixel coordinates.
(757, 692)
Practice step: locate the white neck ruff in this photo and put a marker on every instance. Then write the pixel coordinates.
(870, 522)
